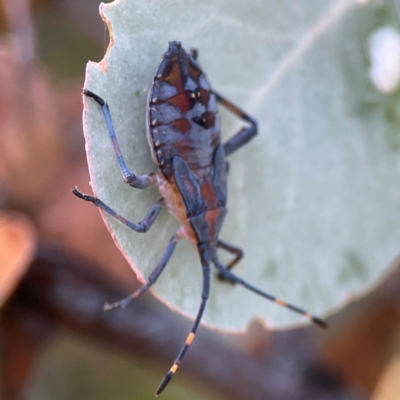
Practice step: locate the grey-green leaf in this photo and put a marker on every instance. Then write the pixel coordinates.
(314, 199)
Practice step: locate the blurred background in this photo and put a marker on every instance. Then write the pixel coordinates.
(58, 263)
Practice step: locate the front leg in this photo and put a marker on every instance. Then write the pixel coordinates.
(245, 134)
(142, 227)
(136, 181)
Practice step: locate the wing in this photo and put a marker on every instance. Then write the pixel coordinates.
(189, 186)
(219, 176)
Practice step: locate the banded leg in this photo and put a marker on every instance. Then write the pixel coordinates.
(245, 134)
(229, 275)
(136, 181)
(142, 227)
(238, 252)
(189, 340)
(152, 278)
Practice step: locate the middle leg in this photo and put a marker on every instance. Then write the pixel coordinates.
(238, 252)
(245, 134)
(142, 227)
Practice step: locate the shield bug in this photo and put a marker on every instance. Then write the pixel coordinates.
(183, 131)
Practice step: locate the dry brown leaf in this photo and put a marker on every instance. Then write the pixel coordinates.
(30, 139)
(388, 387)
(17, 247)
(78, 225)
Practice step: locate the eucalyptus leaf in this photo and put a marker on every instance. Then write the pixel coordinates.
(313, 199)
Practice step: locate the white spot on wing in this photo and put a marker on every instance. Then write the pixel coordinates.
(163, 91)
(204, 83)
(190, 85)
(212, 103)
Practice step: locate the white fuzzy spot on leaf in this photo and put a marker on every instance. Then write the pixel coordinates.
(384, 52)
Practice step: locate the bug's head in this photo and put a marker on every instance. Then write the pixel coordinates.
(174, 48)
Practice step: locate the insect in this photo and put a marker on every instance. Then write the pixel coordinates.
(183, 131)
